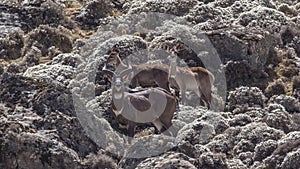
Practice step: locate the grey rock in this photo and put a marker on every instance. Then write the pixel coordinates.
(45, 37)
(240, 120)
(45, 117)
(197, 132)
(246, 97)
(264, 149)
(237, 140)
(291, 160)
(212, 160)
(275, 88)
(1, 68)
(203, 13)
(177, 160)
(25, 145)
(60, 70)
(256, 113)
(220, 123)
(285, 153)
(246, 158)
(287, 9)
(291, 104)
(188, 114)
(236, 164)
(240, 73)
(279, 118)
(92, 11)
(45, 12)
(194, 151)
(255, 19)
(296, 87)
(259, 132)
(144, 148)
(176, 7)
(242, 147)
(221, 143)
(11, 42)
(99, 160)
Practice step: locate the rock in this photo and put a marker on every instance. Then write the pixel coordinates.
(296, 87)
(220, 123)
(177, 160)
(249, 45)
(296, 83)
(45, 37)
(275, 88)
(291, 104)
(279, 118)
(1, 68)
(285, 153)
(246, 97)
(258, 132)
(188, 114)
(240, 120)
(16, 68)
(60, 70)
(264, 149)
(99, 160)
(45, 114)
(176, 7)
(32, 57)
(246, 158)
(287, 10)
(40, 12)
(221, 143)
(11, 42)
(242, 148)
(237, 141)
(21, 149)
(197, 132)
(194, 151)
(90, 15)
(145, 147)
(240, 73)
(238, 7)
(212, 160)
(206, 12)
(256, 113)
(256, 18)
(291, 160)
(244, 53)
(236, 164)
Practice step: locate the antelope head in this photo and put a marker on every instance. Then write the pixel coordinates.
(118, 86)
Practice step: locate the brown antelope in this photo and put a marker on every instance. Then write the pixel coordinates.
(151, 105)
(196, 79)
(146, 75)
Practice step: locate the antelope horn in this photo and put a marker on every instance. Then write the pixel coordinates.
(126, 71)
(107, 71)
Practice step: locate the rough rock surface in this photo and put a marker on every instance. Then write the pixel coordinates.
(55, 101)
(11, 42)
(45, 37)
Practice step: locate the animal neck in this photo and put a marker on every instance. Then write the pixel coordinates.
(173, 69)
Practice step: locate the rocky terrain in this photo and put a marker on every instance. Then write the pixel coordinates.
(55, 101)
